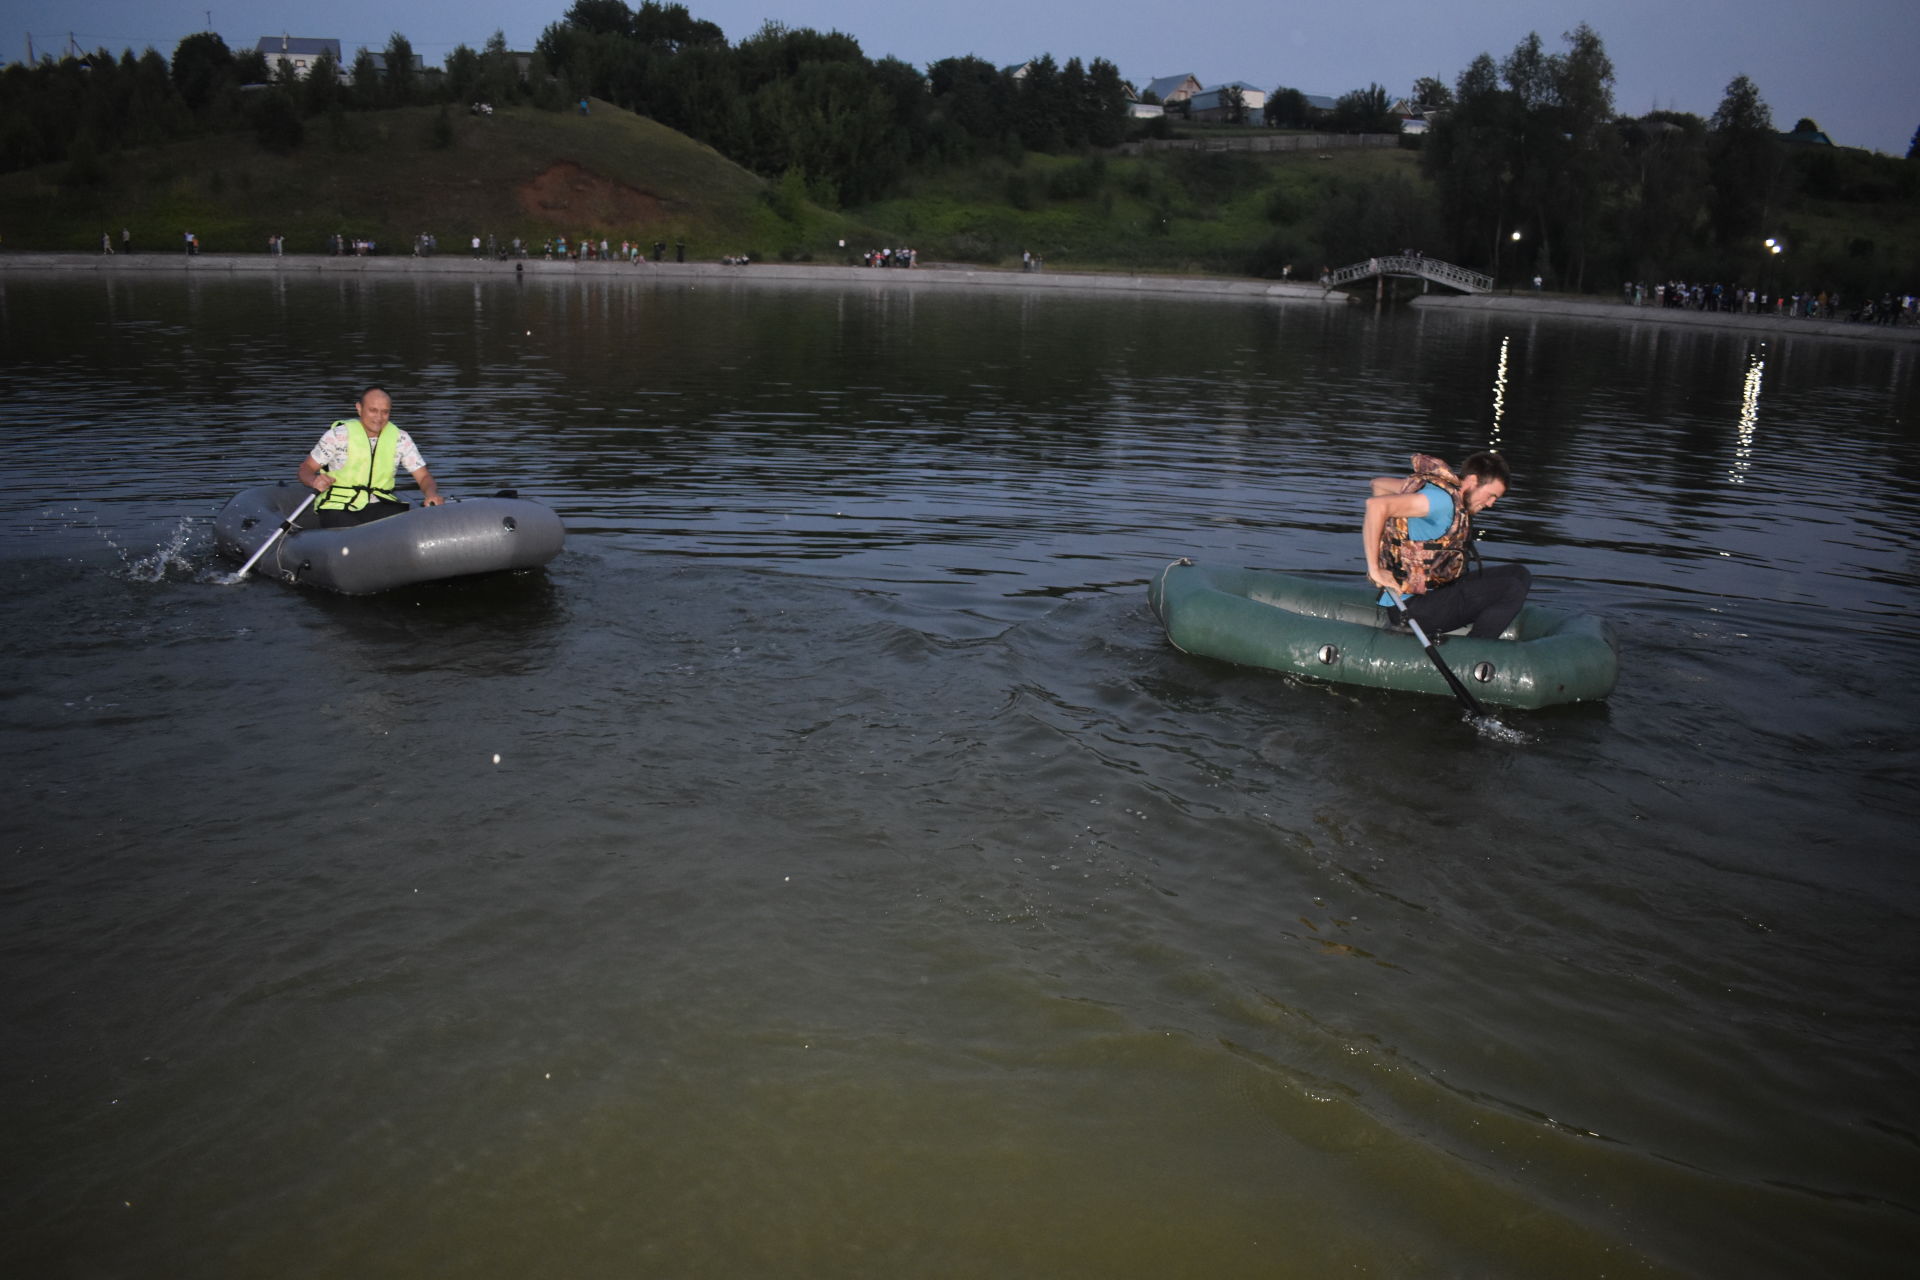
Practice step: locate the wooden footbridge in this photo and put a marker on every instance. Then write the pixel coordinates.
(1409, 266)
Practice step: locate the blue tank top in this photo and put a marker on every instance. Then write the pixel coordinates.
(1438, 520)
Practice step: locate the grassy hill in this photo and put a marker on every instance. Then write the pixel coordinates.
(390, 175)
(1232, 213)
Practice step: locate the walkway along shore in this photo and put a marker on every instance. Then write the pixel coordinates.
(934, 275)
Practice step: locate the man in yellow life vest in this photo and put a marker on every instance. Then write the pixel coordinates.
(354, 463)
(1418, 535)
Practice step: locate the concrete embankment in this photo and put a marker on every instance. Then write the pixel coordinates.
(944, 275)
(935, 275)
(1621, 313)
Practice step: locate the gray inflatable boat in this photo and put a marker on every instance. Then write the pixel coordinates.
(460, 537)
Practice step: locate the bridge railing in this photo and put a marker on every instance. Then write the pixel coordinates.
(1399, 264)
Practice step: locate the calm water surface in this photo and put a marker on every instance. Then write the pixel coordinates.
(826, 868)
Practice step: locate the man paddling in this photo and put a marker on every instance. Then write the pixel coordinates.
(1418, 534)
(354, 462)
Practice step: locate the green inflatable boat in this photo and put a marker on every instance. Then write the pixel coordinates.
(1333, 631)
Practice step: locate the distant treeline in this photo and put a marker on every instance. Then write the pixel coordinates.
(795, 104)
(797, 100)
(1528, 169)
(82, 108)
(1535, 174)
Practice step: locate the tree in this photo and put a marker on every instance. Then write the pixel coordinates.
(202, 67)
(463, 73)
(276, 121)
(499, 77)
(1742, 161)
(366, 81)
(320, 91)
(1106, 109)
(1913, 148)
(1583, 106)
(1432, 94)
(399, 70)
(1235, 104)
(600, 17)
(1363, 111)
(1286, 109)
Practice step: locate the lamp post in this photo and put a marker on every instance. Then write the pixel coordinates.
(1515, 237)
(1775, 247)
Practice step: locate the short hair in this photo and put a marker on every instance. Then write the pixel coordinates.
(1488, 465)
(382, 390)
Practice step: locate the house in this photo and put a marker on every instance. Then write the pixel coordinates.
(298, 52)
(1806, 135)
(380, 62)
(1212, 104)
(1172, 88)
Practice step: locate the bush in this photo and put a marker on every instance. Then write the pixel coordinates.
(277, 125)
(1077, 181)
(789, 197)
(1272, 256)
(84, 166)
(1282, 206)
(1023, 193)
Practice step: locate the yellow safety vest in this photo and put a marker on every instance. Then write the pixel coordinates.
(367, 473)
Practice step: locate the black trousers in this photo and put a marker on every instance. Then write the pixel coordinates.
(378, 509)
(1484, 599)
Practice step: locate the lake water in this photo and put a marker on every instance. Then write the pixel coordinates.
(826, 868)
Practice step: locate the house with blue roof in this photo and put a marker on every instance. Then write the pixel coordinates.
(296, 52)
(1213, 103)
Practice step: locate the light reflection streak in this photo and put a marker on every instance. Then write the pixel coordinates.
(1499, 394)
(1749, 420)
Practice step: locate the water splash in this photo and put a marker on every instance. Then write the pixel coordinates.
(169, 557)
(1487, 726)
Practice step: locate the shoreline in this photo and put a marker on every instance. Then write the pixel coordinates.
(940, 275)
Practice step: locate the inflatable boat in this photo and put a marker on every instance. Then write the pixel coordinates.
(460, 537)
(1336, 631)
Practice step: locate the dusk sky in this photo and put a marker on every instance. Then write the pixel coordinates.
(1849, 64)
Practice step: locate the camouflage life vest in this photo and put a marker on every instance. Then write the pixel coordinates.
(1423, 566)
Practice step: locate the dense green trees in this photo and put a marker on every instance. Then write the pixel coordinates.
(1534, 174)
(795, 99)
(1527, 158)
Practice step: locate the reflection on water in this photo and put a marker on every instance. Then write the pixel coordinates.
(1499, 395)
(1749, 417)
(828, 854)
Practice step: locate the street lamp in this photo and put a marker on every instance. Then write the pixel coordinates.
(1515, 237)
(1775, 247)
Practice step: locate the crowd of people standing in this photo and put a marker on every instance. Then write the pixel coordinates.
(1741, 300)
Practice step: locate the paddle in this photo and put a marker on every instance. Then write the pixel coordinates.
(278, 534)
(1433, 651)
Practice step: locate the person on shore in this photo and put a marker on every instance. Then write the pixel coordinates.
(353, 466)
(1418, 537)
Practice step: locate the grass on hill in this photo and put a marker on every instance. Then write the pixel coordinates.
(380, 175)
(1234, 213)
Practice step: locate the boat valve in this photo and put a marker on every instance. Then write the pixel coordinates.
(1483, 672)
(1329, 654)
(507, 523)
